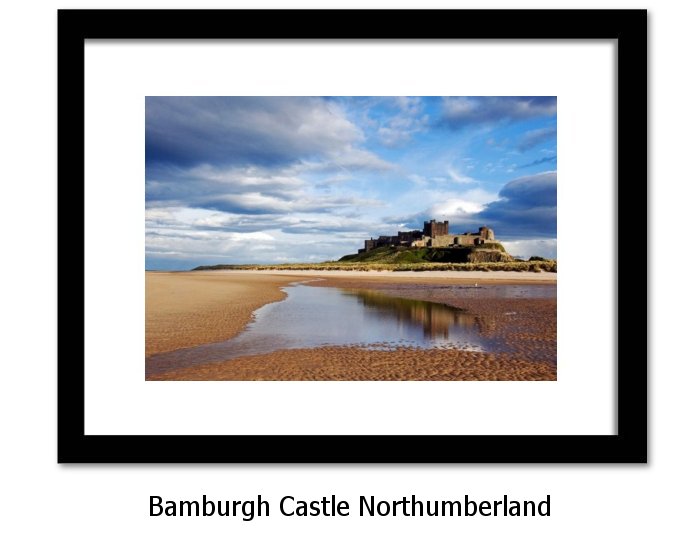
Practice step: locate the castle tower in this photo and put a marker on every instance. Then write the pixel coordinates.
(486, 234)
(434, 228)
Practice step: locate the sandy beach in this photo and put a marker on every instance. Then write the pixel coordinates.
(193, 308)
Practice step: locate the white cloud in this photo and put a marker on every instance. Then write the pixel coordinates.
(527, 248)
(459, 178)
(352, 158)
(399, 129)
(237, 237)
(246, 177)
(475, 195)
(455, 208)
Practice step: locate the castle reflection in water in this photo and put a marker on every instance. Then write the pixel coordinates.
(435, 318)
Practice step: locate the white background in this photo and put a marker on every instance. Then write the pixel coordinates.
(118, 76)
(43, 502)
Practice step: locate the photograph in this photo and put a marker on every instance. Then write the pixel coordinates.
(351, 238)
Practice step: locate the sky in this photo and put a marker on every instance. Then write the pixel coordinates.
(271, 180)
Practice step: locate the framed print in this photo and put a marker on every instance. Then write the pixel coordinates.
(397, 243)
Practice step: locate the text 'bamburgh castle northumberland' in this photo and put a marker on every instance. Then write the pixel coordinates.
(435, 234)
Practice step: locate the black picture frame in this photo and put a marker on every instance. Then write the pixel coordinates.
(628, 28)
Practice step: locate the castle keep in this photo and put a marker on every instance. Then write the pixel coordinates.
(435, 234)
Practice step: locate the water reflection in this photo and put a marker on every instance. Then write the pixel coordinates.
(317, 316)
(437, 320)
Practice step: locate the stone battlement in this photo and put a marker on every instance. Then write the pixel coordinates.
(435, 234)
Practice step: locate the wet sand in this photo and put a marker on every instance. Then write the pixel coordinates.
(329, 363)
(188, 309)
(526, 326)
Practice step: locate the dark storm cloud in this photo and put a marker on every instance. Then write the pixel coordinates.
(250, 155)
(461, 111)
(188, 131)
(527, 208)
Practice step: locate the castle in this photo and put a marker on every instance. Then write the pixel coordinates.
(435, 234)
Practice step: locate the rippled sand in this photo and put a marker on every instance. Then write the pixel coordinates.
(188, 309)
(330, 363)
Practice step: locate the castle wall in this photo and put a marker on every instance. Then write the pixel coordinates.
(407, 237)
(441, 240)
(435, 234)
(464, 240)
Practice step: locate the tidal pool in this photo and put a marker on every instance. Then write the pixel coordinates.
(313, 317)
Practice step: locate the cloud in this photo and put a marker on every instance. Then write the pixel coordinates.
(245, 190)
(412, 106)
(459, 207)
(399, 129)
(461, 111)
(254, 155)
(258, 203)
(342, 227)
(536, 137)
(198, 220)
(459, 178)
(350, 158)
(525, 249)
(188, 131)
(454, 208)
(183, 244)
(542, 161)
(523, 214)
(169, 185)
(527, 208)
(163, 248)
(536, 190)
(182, 219)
